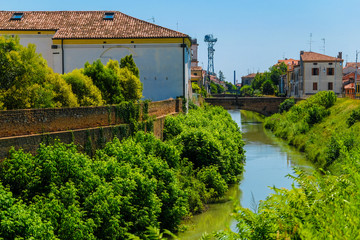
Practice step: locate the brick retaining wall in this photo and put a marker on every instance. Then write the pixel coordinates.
(26, 129)
(35, 121)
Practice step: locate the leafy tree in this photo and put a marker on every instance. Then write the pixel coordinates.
(106, 80)
(268, 88)
(247, 91)
(128, 62)
(195, 87)
(286, 105)
(27, 82)
(213, 88)
(258, 81)
(231, 87)
(221, 76)
(132, 87)
(63, 94)
(87, 93)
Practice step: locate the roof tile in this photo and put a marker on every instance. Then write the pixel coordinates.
(86, 24)
(317, 57)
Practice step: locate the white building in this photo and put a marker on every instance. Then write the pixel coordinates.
(68, 39)
(317, 72)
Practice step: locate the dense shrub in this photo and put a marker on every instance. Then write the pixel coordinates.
(87, 93)
(106, 80)
(213, 181)
(27, 82)
(323, 98)
(124, 188)
(354, 117)
(247, 91)
(268, 88)
(286, 105)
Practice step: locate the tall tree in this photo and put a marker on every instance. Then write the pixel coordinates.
(221, 76)
(128, 61)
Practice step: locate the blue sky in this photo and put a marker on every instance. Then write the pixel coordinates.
(252, 34)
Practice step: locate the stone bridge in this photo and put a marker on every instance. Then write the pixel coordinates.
(262, 105)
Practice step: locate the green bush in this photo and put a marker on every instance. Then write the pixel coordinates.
(354, 117)
(82, 86)
(247, 91)
(323, 98)
(268, 88)
(286, 105)
(27, 82)
(106, 80)
(213, 181)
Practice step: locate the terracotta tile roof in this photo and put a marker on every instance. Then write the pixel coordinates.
(352, 76)
(86, 24)
(289, 61)
(352, 64)
(317, 57)
(251, 75)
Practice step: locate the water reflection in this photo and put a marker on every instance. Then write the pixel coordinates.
(268, 161)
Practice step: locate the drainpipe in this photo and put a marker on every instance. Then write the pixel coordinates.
(62, 56)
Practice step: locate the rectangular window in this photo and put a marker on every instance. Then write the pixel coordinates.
(330, 86)
(109, 16)
(17, 16)
(315, 71)
(330, 71)
(315, 86)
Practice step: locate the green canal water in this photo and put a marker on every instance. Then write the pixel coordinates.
(268, 162)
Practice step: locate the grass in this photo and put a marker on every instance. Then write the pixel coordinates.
(315, 142)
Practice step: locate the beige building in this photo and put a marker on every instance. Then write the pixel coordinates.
(317, 72)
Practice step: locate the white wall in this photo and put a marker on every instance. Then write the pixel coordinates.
(160, 65)
(43, 44)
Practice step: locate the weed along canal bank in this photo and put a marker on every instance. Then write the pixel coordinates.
(268, 162)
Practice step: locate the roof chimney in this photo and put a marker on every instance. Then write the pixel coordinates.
(301, 52)
(340, 55)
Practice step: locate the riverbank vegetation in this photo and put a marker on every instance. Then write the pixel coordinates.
(129, 189)
(322, 205)
(27, 82)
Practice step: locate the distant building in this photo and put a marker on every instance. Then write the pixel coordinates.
(247, 80)
(68, 39)
(290, 63)
(198, 76)
(317, 72)
(350, 68)
(349, 84)
(194, 53)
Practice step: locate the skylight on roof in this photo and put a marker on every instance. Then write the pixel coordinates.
(17, 16)
(109, 16)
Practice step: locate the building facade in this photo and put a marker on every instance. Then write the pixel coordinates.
(69, 39)
(317, 72)
(247, 80)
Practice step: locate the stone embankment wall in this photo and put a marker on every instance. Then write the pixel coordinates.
(26, 129)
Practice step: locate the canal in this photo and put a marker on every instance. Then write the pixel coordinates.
(268, 162)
